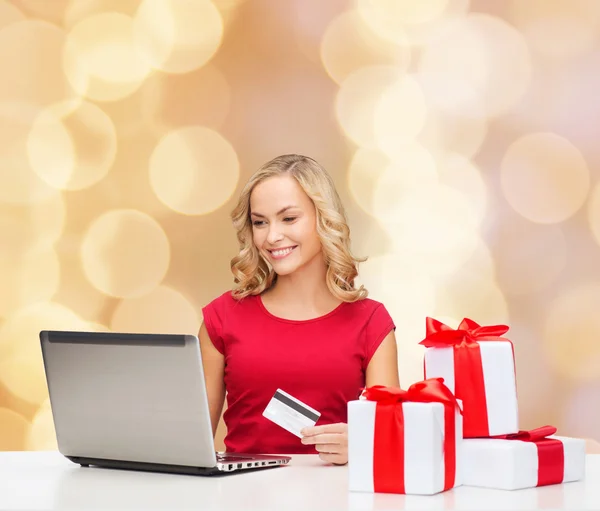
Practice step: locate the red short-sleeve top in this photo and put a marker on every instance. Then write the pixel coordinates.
(320, 361)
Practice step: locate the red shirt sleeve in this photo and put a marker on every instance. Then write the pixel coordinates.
(214, 319)
(377, 328)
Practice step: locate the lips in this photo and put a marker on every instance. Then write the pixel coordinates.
(281, 253)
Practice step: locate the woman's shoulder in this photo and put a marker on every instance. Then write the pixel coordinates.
(227, 301)
(373, 318)
(367, 305)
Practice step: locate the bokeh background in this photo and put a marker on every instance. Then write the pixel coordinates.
(462, 135)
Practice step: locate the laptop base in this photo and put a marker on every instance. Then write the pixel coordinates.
(220, 469)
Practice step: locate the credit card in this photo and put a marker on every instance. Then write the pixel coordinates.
(290, 413)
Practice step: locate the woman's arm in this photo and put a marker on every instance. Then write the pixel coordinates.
(213, 364)
(383, 366)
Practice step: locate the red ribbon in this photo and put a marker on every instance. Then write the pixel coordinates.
(388, 450)
(551, 453)
(469, 384)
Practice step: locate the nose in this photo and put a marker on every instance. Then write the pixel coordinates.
(274, 235)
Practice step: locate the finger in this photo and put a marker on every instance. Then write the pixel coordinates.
(326, 428)
(336, 459)
(326, 438)
(329, 448)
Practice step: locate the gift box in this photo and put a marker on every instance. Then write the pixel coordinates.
(523, 460)
(405, 441)
(478, 366)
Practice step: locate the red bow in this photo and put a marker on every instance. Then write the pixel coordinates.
(469, 385)
(388, 451)
(440, 335)
(551, 453)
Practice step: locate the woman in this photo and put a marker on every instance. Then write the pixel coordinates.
(294, 320)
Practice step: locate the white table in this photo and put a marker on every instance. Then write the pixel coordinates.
(46, 480)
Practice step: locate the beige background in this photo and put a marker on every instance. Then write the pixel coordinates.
(462, 136)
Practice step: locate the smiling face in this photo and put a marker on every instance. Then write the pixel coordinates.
(284, 225)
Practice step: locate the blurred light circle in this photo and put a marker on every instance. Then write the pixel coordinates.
(421, 22)
(544, 177)
(127, 117)
(400, 113)
(76, 291)
(594, 213)
(42, 435)
(30, 277)
(13, 430)
(411, 171)
(376, 178)
(194, 170)
(459, 173)
(19, 334)
(178, 36)
(23, 375)
(365, 169)
(199, 97)
(21, 365)
(9, 14)
(571, 333)
(389, 17)
(162, 311)
(358, 98)
(414, 298)
(101, 48)
(409, 296)
(555, 28)
(348, 45)
(478, 58)
(30, 57)
(465, 134)
(529, 257)
(434, 224)
(230, 10)
(18, 183)
(78, 10)
(310, 20)
(461, 132)
(72, 146)
(32, 227)
(471, 290)
(47, 11)
(125, 253)
(128, 173)
(422, 34)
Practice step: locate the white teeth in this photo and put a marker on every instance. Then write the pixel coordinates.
(279, 253)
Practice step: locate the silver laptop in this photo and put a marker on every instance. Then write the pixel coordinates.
(135, 401)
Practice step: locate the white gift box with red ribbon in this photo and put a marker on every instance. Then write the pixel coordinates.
(478, 366)
(524, 460)
(404, 446)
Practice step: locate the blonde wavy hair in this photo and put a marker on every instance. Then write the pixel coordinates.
(253, 274)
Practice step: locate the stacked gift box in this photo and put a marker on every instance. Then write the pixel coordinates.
(460, 426)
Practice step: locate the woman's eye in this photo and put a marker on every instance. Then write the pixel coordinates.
(258, 223)
(289, 219)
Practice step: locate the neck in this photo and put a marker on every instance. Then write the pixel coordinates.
(307, 285)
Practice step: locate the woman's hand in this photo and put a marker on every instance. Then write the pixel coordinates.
(330, 441)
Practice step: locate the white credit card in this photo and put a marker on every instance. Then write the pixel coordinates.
(290, 413)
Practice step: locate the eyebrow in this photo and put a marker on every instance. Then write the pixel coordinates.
(282, 210)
